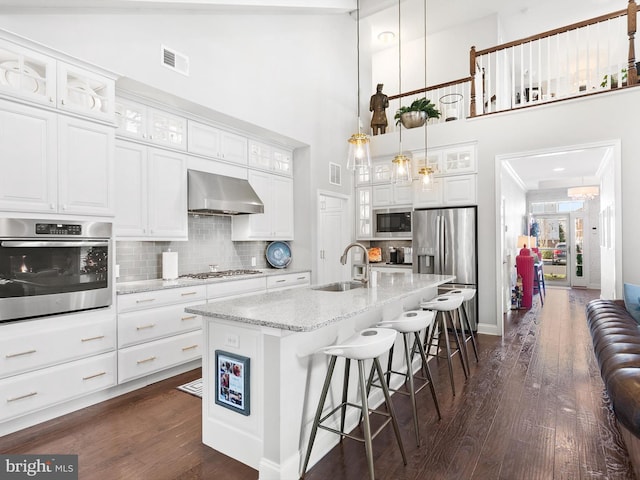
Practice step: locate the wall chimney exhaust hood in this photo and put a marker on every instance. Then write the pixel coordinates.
(211, 194)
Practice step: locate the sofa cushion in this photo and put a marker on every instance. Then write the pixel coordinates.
(616, 343)
(632, 300)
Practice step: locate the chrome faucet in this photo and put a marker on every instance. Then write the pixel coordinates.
(367, 267)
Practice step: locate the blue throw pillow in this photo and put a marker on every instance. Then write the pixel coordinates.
(632, 300)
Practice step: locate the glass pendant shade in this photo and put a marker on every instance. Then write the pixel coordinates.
(426, 178)
(359, 155)
(401, 169)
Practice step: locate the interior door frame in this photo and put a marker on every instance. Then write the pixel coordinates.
(608, 291)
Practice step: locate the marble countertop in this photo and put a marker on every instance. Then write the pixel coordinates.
(307, 309)
(124, 288)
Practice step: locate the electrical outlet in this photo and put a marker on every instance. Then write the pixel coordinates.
(253, 261)
(232, 340)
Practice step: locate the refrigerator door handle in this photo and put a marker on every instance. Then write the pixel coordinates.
(437, 261)
(443, 244)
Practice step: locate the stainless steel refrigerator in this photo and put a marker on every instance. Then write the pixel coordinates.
(445, 242)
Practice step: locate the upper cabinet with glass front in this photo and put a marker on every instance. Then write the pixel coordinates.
(85, 92)
(268, 157)
(37, 74)
(151, 125)
(27, 74)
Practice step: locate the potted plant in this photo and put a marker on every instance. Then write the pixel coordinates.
(417, 113)
(614, 79)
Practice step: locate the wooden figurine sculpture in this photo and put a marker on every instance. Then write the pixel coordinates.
(378, 103)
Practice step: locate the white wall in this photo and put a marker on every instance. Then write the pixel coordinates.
(443, 64)
(280, 72)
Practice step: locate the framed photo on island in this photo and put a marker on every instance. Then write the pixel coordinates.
(232, 382)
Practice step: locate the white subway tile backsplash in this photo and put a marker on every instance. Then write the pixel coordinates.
(209, 243)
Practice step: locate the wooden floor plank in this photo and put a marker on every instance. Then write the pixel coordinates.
(534, 407)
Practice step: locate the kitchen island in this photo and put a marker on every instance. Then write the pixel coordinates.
(267, 425)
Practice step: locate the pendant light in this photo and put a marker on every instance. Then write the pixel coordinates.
(358, 156)
(425, 172)
(401, 164)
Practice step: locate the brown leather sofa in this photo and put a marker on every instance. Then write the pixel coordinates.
(616, 343)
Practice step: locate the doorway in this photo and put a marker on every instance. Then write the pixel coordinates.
(553, 232)
(333, 235)
(591, 233)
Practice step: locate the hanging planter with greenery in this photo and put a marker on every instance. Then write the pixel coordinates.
(417, 113)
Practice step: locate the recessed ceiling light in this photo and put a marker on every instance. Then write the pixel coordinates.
(558, 169)
(386, 37)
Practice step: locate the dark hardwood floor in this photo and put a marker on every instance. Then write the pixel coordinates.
(533, 408)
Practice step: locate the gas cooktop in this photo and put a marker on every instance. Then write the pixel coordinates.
(219, 274)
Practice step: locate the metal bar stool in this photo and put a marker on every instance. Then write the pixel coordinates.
(410, 324)
(465, 324)
(443, 306)
(368, 344)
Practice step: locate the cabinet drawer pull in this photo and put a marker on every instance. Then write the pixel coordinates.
(190, 317)
(150, 359)
(184, 349)
(301, 278)
(280, 281)
(92, 338)
(11, 355)
(144, 300)
(26, 395)
(94, 376)
(151, 325)
(188, 293)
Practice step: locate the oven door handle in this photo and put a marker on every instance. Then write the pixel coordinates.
(53, 243)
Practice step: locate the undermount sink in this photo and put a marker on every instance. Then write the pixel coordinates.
(339, 286)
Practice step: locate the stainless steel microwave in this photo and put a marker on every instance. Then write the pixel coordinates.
(392, 223)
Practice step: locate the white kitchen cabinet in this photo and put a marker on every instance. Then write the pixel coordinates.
(62, 164)
(390, 194)
(44, 79)
(451, 160)
(459, 160)
(287, 281)
(151, 193)
(150, 125)
(364, 223)
(270, 158)
(381, 170)
(276, 223)
(154, 331)
(460, 190)
(51, 360)
(40, 389)
(212, 142)
(235, 288)
(29, 167)
(428, 198)
(85, 92)
(36, 344)
(27, 74)
(447, 191)
(85, 167)
(160, 298)
(147, 358)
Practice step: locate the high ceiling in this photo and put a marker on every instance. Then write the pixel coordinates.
(535, 172)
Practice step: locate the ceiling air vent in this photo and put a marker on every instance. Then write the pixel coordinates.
(175, 60)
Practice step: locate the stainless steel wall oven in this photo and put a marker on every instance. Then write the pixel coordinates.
(49, 267)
